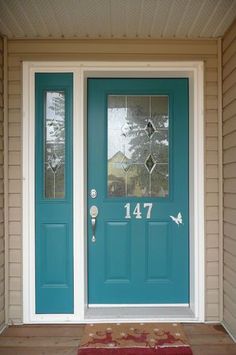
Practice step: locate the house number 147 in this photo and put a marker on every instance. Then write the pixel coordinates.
(137, 212)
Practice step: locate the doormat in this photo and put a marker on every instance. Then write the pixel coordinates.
(134, 339)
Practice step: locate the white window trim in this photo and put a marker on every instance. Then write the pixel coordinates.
(81, 71)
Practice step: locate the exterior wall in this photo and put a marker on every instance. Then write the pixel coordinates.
(206, 50)
(229, 161)
(2, 276)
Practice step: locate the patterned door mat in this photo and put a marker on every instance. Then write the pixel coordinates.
(134, 339)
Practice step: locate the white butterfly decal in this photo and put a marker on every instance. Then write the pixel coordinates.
(178, 220)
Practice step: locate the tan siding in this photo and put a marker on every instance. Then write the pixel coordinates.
(229, 52)
(229, 81)
(229, 160)
(212, 241)
(230, 124)
(212, 295)
(229, 95)
(205, 50)
(229, 66)
(229, 110)
(2, 281)
(166, 47)
(229, 260)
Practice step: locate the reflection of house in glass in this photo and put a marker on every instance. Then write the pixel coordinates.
(117, 175)
(126, 178)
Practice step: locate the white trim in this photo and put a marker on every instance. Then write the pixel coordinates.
(147, 305)
(82, 70)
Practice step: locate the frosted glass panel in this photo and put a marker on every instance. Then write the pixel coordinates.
(138, 146)
(54, 145)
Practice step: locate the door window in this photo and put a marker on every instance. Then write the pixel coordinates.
(138, 146)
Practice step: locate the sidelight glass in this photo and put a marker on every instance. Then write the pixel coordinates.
(54, 145)
(138, 146)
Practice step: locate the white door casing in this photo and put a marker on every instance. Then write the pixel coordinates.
(81, 71)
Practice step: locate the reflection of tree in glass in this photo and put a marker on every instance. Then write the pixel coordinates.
(141, 146)
(57, 124)
(55, 146)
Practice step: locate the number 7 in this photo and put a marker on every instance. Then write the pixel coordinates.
(149, 205)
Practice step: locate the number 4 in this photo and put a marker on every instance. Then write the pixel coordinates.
(137, 211)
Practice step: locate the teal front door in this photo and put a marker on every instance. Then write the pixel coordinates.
(138, 191)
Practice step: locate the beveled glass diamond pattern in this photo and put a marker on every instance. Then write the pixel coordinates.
(150, 163)
(125, 164)
(54, 162)
(150, 129)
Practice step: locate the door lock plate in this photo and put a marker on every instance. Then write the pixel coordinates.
(93, 193)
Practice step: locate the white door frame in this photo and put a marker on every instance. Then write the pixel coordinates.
(81, 71)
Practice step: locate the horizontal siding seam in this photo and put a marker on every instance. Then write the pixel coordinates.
(226, 149)
(229, 294)
(229, 237)
(227, 77)
(226, 266)
(230, 88)
(228, 281)
(229, 221)
(228, 74)
(229, 44)
(232, 301)
(227, 105)
(229, 252)
(232, 55)
(228, 50)
(230, 117)
(229, 133)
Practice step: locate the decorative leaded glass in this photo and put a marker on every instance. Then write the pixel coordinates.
(150, 129)
(138, 146)
(54, 145)
(150, 163)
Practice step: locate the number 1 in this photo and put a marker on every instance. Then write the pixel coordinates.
(127, 207)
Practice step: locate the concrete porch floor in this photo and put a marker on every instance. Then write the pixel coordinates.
(205, 339)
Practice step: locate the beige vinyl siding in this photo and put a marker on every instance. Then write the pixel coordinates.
(229, 160)
(110, 50)
(2, 278)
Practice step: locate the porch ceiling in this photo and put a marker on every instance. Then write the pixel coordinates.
(116, 18)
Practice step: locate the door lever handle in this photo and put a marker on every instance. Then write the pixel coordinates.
(93, 214)
(93, 221)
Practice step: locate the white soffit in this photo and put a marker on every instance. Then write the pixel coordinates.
(116, 18)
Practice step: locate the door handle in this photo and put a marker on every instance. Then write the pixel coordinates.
(93, 213)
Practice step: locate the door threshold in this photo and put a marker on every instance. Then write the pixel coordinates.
(140, 314)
